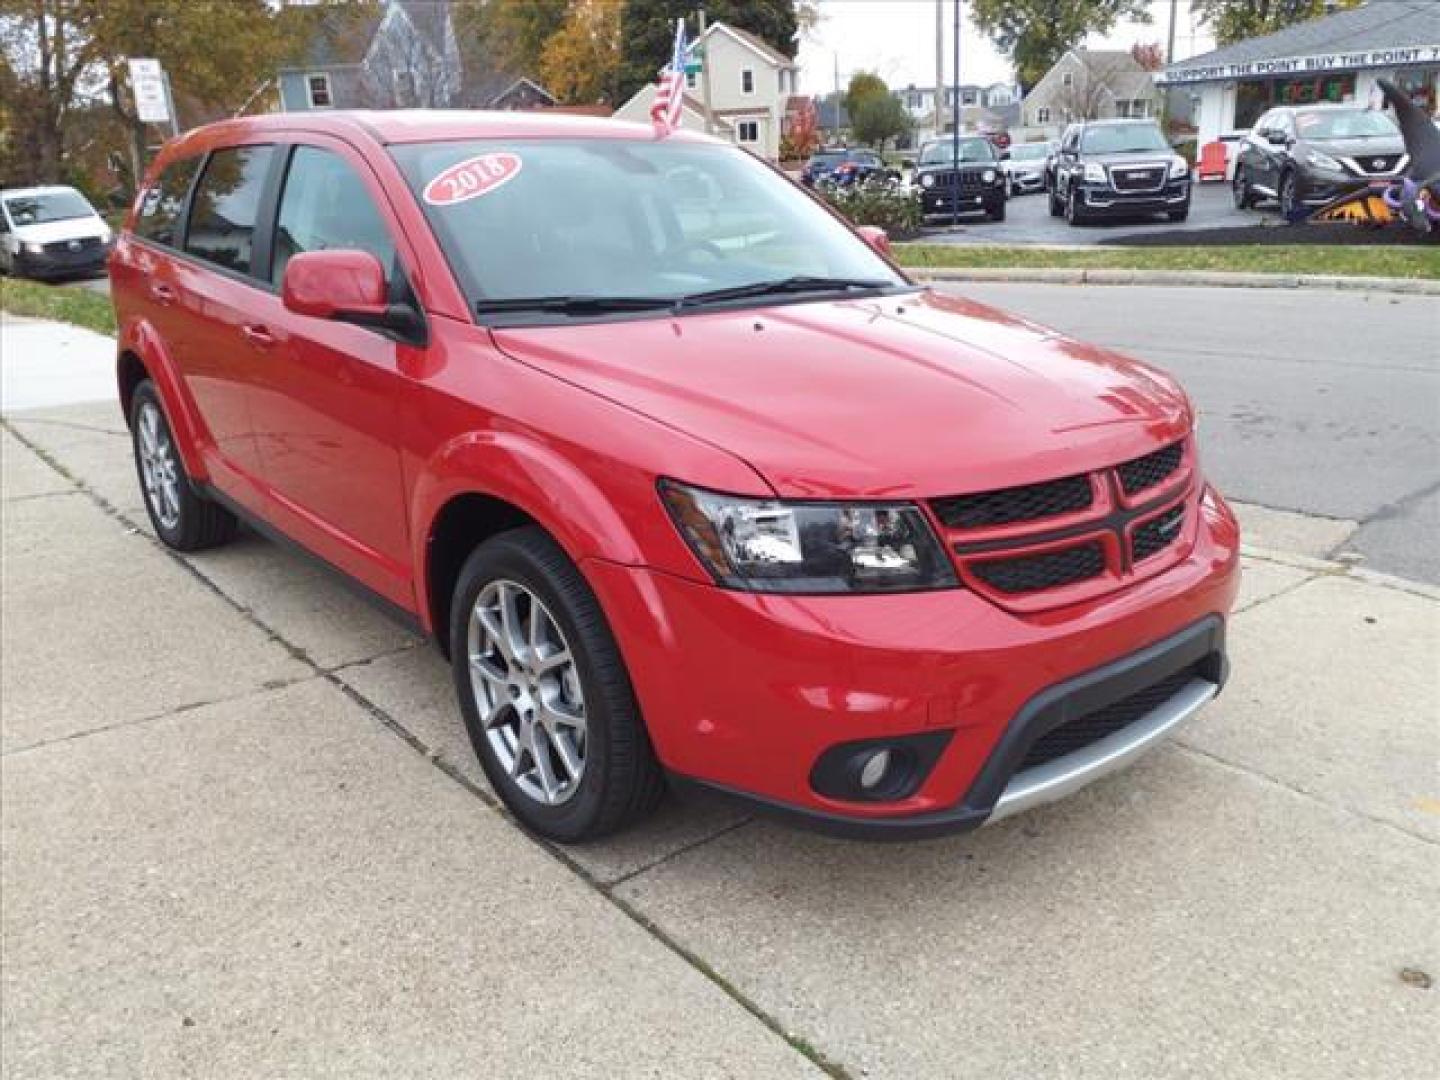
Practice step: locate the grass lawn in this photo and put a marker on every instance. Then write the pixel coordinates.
(70, 304)
(1389, 261)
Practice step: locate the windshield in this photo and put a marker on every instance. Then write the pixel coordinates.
(1345, 124)
(828, 157)
(971, 149)
(1033, 152)
(1122, 139)
(47, 206)
(613, 218)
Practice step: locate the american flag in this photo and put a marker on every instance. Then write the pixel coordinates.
(669, 98)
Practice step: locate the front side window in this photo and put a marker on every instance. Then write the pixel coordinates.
(1346, 124)
(324, 207)
(608, 218)
(61, 205)
(164, 202)
(226, 205)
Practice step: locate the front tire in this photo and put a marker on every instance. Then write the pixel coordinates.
(1057, 208)
(1240, 192)
(1289, 201)
(1073, 214)
(1177, 216)
(547, 701)
(996, 211)
(183, 518)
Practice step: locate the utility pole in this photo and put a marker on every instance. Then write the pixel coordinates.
(939, 67)
(705, 76)
(836, 57)
(1170, 48)
(955, 139)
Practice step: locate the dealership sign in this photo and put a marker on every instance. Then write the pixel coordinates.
(1289, 67)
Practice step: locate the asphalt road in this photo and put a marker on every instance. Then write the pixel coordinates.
(1028, 221)
(1320, 402)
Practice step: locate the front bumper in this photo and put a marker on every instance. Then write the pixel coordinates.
(743, 693)
(937, 201)
(1026, 182)
(1316, 187)
(50, 264)
(1102, 200)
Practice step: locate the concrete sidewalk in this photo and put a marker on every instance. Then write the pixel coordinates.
(243, 836)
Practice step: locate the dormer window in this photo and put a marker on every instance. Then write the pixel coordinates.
(317, 88)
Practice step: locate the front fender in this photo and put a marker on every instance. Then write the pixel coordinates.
(140, 338)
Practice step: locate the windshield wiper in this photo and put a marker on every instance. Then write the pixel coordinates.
(572, 305)
(800, 283)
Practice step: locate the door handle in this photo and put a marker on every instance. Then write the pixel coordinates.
(258, 336)
(162, 293)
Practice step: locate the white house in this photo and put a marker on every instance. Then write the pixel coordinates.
(987, 108)
(1335, 58)
(749, 84)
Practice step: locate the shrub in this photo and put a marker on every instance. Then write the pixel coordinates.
(896, 210)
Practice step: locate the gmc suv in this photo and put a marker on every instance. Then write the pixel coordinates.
(1118, 168)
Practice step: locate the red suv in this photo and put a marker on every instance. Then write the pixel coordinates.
(687, 479)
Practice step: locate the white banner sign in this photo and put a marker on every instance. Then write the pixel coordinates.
(147, 82)
(1290, 66)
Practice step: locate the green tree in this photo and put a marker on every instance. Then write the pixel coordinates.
(1035, 33)
(1235, 20)
(647, 31)
(877, 119)
(863, 85)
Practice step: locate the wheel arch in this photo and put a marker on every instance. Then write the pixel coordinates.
(141, 355)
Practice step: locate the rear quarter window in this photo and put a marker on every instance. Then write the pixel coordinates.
(163, 202)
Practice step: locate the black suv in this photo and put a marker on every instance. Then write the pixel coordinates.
(961, 179)
(1118, 168)
(1306, 155)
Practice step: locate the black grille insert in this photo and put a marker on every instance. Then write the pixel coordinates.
(1158, 533)
(1150, 178)
(72, 247)
(1007, 505)
(1150, 470)
(1083, 731)
(1048, 570)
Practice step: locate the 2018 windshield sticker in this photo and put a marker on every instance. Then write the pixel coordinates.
(469, 179)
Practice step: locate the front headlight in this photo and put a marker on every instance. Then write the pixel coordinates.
(1323, 161)
(988, 176)
(1178, 167)
(927, 181)
(33, 248)
(1095, 173)
(769, 545)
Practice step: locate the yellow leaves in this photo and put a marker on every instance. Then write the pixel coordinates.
(579, 61)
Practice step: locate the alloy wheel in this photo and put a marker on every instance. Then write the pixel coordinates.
(1237, 190)
(159, 467)
(527, 692)
(1287, 194)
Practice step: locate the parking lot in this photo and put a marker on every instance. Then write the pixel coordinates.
(243, 834)
(1028, 221)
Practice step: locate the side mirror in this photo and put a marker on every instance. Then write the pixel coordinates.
(347, 286)
(878, 239)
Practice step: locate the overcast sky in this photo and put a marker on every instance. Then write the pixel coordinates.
(896, 38)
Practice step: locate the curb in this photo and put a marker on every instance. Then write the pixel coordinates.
(1210, 278)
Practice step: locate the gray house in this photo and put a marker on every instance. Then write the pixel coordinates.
(405, 56)
(1090, 84)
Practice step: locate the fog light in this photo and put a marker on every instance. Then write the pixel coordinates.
(874, 770)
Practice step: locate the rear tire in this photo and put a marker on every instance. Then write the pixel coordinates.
(551, 714)
(183, 518)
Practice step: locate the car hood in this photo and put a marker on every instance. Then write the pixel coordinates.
(1149, 158)
(910, 395)
(48, 232)
(1358, 148)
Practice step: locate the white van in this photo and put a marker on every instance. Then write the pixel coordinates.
(51, 231)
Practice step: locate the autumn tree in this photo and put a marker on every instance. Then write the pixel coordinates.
(1035, 33)
(647, 29)
(1235, 20)
(1150, 55)
(863, 85)
(580, 61)
(507, 36)
(67, 54)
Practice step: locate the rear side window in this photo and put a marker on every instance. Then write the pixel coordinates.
(325, 206)
(226, 205)
(164, 202)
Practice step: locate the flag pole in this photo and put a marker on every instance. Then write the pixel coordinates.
(705, 76)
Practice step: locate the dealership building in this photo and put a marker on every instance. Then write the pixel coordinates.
(1335, 58)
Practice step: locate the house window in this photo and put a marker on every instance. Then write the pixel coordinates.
(690, 80)
(747, 81)
(1067, 78)
(747, 131)
(1042, 114)
(318, 88)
